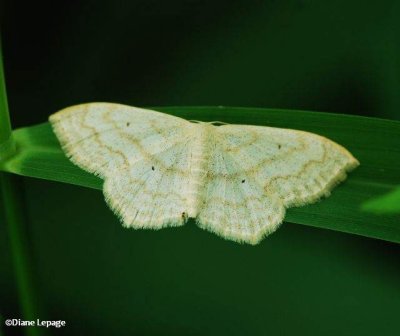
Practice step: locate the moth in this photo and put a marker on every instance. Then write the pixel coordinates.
(235, 180)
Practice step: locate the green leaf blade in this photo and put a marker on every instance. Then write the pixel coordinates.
(370, 140)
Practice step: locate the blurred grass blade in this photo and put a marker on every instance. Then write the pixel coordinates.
(385, 204)
(370, 140)
(12, 205)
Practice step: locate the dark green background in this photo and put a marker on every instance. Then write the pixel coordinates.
(336, 56)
